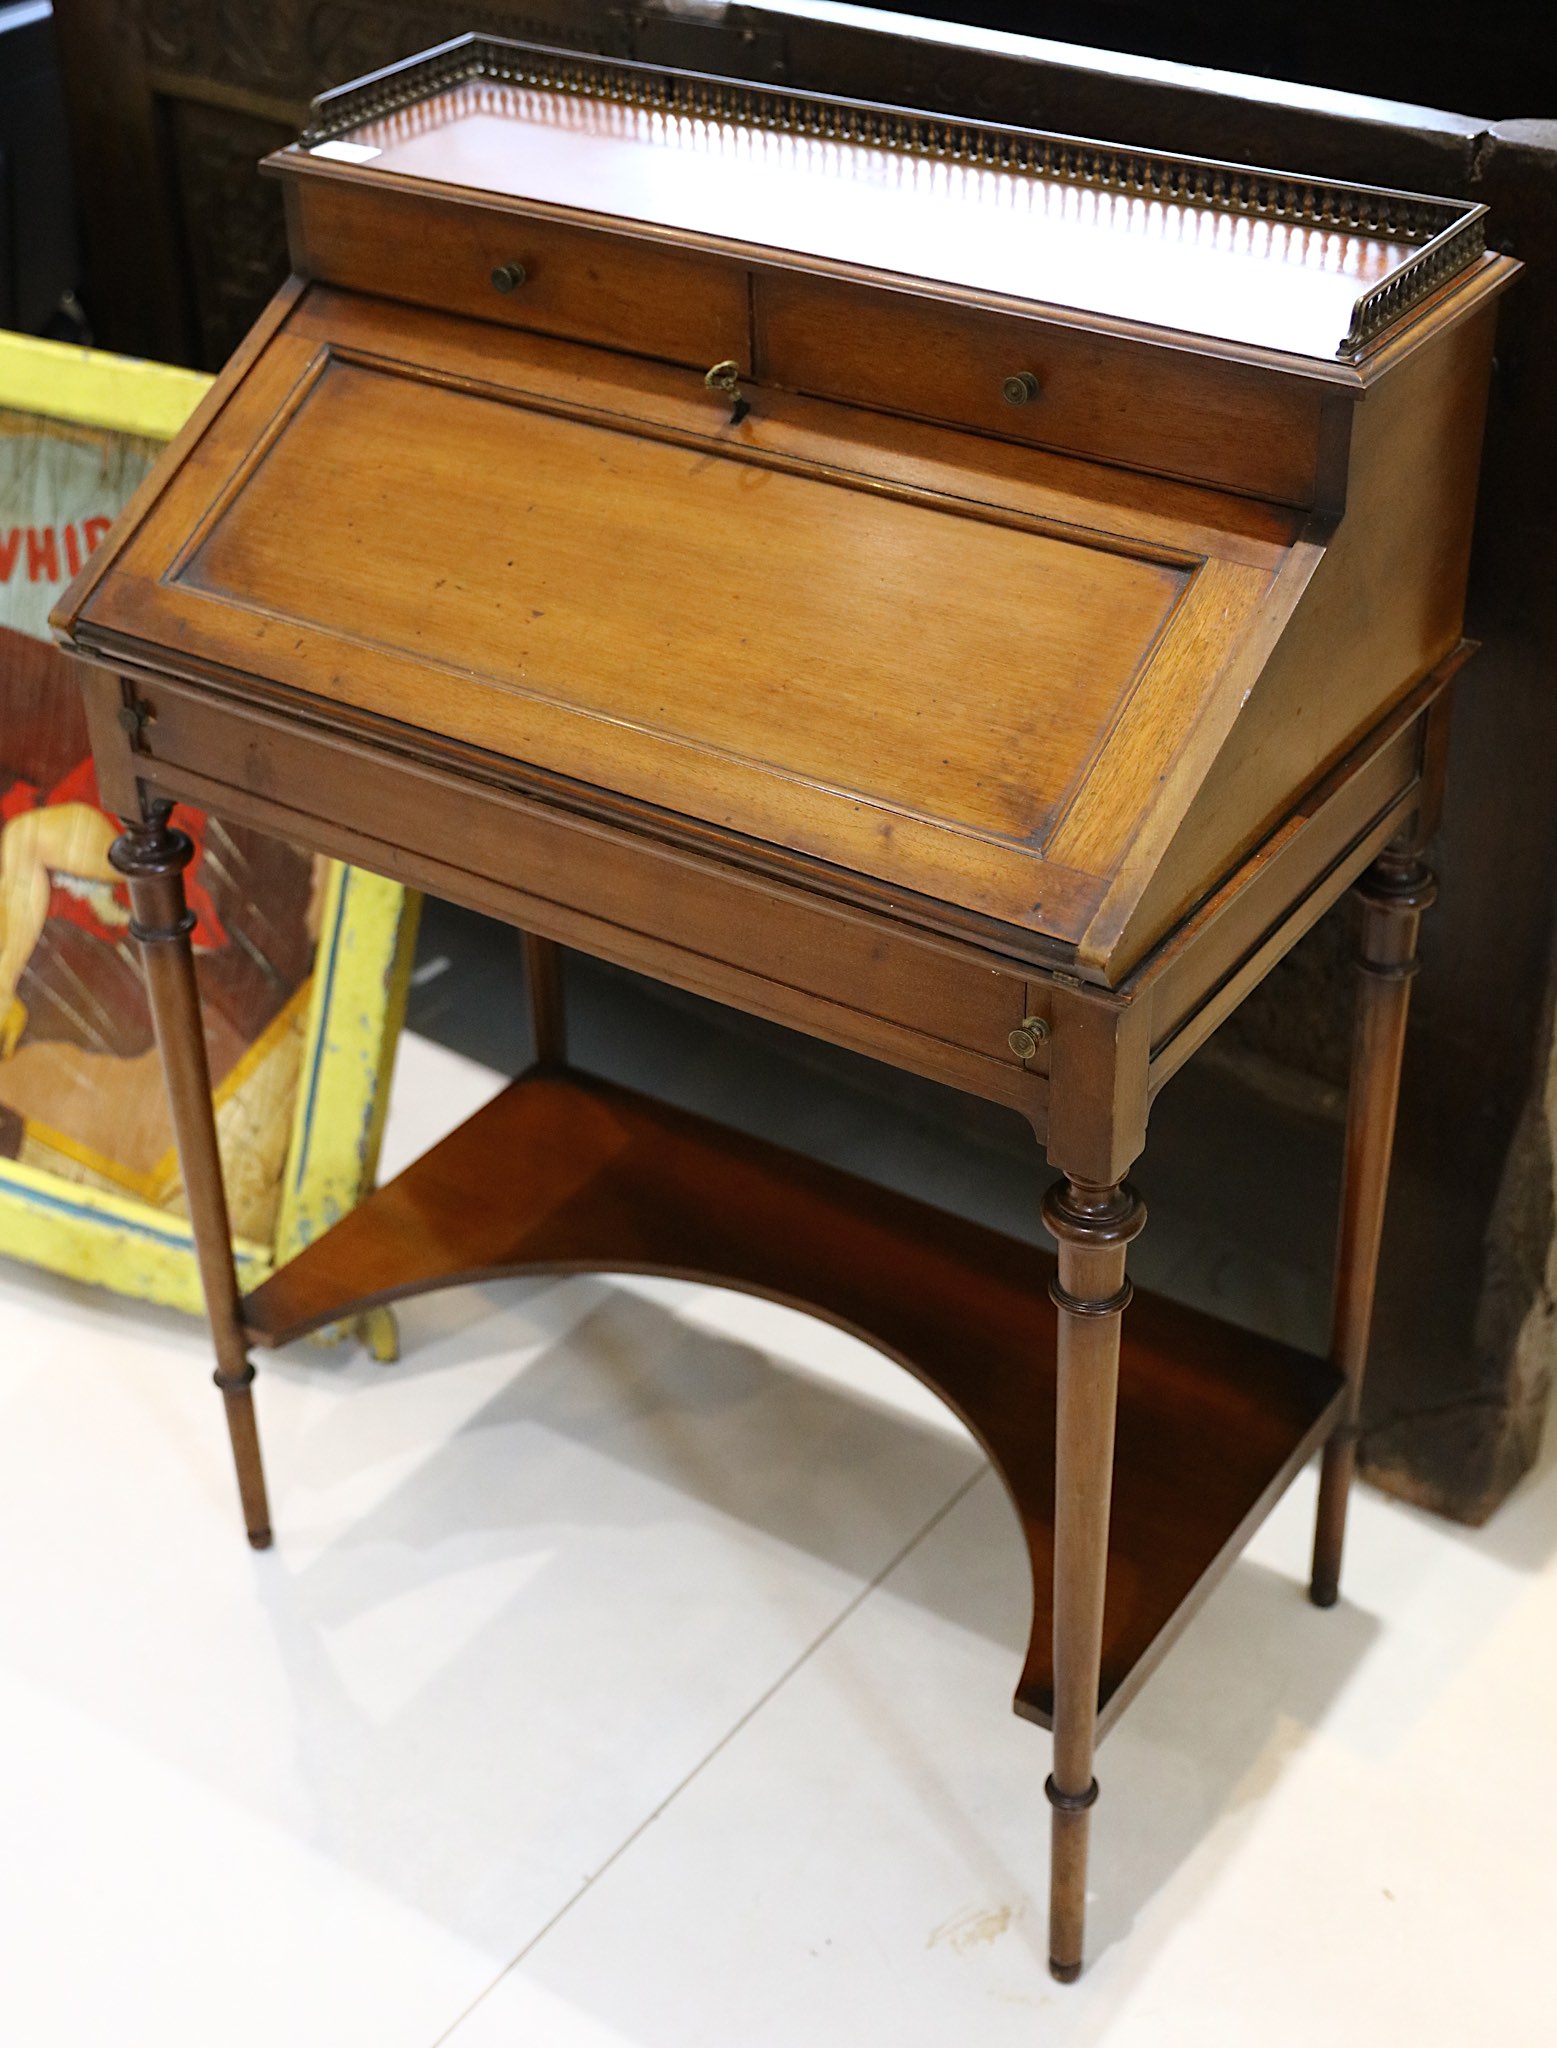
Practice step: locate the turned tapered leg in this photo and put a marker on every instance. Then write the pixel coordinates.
(1093, 1226)
(152, 858)
(1394, 892)
(543, 968)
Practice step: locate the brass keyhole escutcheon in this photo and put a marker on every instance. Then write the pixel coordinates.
(1020, 389)
(507, 277)
(1025, 1040)
(726, 377)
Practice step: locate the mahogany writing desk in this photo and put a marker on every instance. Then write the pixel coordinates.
(969, 594)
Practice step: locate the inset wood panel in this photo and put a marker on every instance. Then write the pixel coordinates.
(854, 675)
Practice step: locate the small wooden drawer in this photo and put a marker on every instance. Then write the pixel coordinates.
(1233, 425)
(522, 271)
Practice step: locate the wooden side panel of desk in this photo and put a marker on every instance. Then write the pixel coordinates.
(1384, 608)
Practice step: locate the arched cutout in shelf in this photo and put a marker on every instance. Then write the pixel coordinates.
(563, 1173)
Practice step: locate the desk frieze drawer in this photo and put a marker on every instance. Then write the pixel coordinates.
(523, 270)
(1181, 414)
(946, 1011)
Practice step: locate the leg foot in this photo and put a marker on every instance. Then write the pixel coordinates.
(243, 1433)
(1069, 1828)
(1336, 1471)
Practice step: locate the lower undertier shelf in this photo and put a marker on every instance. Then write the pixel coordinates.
(564, 1173)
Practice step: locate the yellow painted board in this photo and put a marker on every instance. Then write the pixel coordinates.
(109, 1240)
(358, 989)
(62, 382)
(362, 973)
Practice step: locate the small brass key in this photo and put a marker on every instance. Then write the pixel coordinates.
(726, 377)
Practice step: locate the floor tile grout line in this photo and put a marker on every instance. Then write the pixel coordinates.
(850, 1607)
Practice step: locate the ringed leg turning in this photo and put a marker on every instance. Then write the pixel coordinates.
(1094, 1227)
(152, 857)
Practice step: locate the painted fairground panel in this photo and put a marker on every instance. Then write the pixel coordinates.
(301, 962)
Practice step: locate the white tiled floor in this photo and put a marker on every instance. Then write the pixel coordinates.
(632, 1670)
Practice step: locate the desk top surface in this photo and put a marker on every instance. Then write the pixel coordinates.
(1242, 255)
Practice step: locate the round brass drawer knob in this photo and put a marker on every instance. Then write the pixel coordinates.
(1028, 1036)
(508, 277)
(1020, 389)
